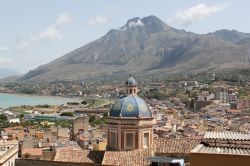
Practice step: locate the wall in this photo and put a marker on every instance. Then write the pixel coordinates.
(28, 162)
(199, 159)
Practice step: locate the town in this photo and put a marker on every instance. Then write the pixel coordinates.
(124, 83)
(183, 114)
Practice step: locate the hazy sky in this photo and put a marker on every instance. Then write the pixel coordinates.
(34, 32)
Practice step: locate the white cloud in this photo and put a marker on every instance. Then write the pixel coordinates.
(52, 33)
(98, 20)
(5, 61)
(63, 19)
(4, 48)
(195, 13)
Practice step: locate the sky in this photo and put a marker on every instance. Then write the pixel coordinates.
(35, 32)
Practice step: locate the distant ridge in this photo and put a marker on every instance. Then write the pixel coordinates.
(231, 35)
(5, 72)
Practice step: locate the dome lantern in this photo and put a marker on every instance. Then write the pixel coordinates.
(131, 86)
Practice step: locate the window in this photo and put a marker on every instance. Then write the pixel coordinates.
(131, 91)
(146, 140)
(129, 140)
(113, 138)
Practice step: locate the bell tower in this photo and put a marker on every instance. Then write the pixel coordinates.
(132, 86)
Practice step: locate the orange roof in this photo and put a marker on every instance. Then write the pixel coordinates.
(32, 151)
(168, 146)
(78, 155)
(131, 157)
(171, 110)
(234, 111)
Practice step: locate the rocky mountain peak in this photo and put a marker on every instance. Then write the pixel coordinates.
(151, 24)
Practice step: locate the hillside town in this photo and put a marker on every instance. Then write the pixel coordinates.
(177, 121)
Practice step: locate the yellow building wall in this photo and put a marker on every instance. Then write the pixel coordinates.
(101, 146)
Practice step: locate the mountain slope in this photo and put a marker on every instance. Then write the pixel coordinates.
(144, 46)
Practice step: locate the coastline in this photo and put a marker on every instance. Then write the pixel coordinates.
(37, 95)
(10, 100)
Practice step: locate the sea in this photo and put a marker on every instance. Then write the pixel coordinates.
(10, 100)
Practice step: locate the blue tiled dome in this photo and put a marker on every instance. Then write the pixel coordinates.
(130, 106)
(131, 81)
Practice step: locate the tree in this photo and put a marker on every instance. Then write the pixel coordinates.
(67, 114)
(3, 118)
(84, 102)
(21, 115)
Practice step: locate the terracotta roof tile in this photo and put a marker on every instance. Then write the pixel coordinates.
(32, 151)
(127, 158)
(174, 146)
(78, 155)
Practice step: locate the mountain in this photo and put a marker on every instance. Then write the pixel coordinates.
(5, 72)
(147, 47)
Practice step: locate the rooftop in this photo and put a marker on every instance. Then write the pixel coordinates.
(227, 135)
(174, 146)
(78, 155)
(219, 150)
(32, 151)
(136, 157)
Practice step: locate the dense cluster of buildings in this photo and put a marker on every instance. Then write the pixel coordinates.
(209, 127)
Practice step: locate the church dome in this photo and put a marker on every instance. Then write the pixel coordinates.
(131, 81)
(130, 106)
